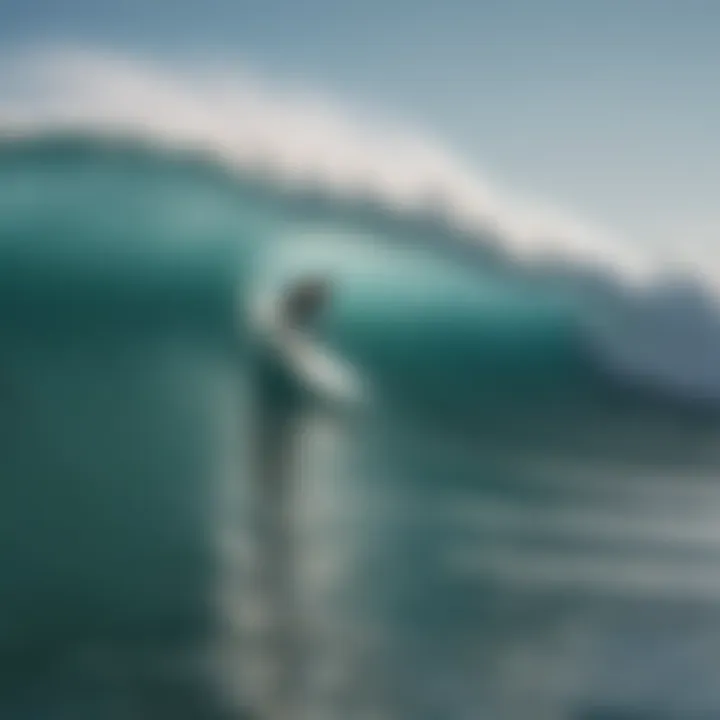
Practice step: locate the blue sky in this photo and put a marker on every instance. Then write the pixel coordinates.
(608, 107)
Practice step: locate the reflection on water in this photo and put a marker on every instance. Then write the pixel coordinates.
(480, 589)
(383, 575)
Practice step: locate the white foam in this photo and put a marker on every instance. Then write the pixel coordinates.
(242, 118)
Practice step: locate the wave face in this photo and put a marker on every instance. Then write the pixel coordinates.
(534, 488)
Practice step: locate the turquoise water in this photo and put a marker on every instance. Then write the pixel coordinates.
(515, 525)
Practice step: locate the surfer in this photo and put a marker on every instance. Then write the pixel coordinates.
(279, 403)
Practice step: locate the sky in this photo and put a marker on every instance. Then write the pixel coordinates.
(610, 108)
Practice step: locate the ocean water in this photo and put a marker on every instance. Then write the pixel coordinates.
(514, 519)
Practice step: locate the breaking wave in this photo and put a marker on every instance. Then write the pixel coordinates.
(208, 154)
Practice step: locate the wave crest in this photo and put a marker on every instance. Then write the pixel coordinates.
(297, 139)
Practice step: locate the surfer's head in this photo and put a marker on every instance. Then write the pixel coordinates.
(305, 301)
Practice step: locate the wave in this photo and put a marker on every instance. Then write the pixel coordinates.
(207, 155)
